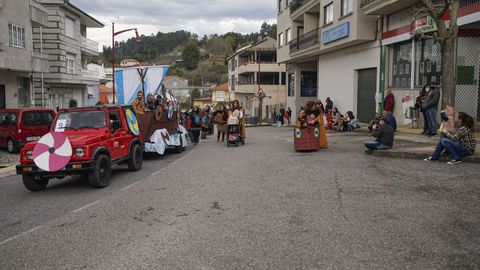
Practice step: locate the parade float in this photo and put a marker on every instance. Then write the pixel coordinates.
(159, 128)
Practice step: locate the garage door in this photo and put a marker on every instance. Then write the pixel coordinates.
(367, 85)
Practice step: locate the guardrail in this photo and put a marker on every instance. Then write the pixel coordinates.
(305, 41)
(366, 2)
(296, 4)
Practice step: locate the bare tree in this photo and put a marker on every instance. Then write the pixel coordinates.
(446, 36)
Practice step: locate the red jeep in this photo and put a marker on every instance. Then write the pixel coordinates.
(99, 136)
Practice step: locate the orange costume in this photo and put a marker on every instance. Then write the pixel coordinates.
(323, 134)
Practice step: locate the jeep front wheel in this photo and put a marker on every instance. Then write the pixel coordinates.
(102, 171)
(136, 158)
(33, 184)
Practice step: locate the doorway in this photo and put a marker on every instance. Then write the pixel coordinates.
(367, 88)
(2, 96)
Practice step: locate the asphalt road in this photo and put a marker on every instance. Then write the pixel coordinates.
(262, 206)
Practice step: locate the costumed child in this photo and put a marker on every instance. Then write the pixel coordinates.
(330, 119)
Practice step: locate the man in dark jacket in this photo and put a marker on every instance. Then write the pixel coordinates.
(384, 135)
(430, 105)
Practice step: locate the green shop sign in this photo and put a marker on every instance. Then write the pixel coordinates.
(425, 25)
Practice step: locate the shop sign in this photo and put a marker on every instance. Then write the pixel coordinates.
(425, 25)
(336, 33)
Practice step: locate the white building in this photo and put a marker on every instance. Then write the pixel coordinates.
(331, 50)
(69, 50)
(18, 57)
(255, 67)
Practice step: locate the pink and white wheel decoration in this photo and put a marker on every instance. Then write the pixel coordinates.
(52, 152)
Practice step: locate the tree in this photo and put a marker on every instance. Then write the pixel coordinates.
(446, 36)
(191, 55)
(270, 30)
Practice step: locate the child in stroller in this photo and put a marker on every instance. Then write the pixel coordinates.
(234, 132)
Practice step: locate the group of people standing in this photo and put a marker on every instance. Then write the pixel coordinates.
(427, 103)
(201, 122)
(279, 118)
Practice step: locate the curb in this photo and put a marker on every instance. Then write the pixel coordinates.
(417, 155)
(7, 171)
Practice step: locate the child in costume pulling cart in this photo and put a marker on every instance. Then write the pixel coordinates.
(309, 133)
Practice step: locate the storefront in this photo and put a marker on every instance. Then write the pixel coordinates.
(409, 64)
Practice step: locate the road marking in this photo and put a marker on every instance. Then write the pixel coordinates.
(20, 235)
(129, 186)
(85, 206)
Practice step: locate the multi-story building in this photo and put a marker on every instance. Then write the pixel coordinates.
(69, 50)
(178, 86)
(331, 50)
(410, 63)
(220, 94)
(255, 67)
(18, 57)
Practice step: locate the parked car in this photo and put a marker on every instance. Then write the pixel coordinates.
(99, 137)
(20, 126)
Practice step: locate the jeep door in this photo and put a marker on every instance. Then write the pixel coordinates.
(120, 142)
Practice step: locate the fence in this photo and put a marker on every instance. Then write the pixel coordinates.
(467, 97)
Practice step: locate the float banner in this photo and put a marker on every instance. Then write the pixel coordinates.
(129, 82)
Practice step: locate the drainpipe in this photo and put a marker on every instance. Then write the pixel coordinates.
(41, 74)
(383, 54)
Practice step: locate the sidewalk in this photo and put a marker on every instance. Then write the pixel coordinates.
(419, 146)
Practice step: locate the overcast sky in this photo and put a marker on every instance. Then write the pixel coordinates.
(197, 16)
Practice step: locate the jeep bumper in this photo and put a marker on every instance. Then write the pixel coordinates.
(71, 168)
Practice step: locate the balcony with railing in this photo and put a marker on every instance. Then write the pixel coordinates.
(305, 41)
(38, 14)
(90, 75)
(40, 62)
(296, 4)
(89, 46)
(384, 7)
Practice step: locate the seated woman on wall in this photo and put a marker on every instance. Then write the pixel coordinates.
(138, 104)
(458, 143)
(352, 122)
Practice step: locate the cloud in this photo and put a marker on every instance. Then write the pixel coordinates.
(202, 17)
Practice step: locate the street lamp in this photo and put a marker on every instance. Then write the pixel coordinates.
(113, 52)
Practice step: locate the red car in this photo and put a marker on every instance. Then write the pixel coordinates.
(99, 137)
(20, 126)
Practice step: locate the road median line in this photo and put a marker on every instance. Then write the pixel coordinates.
(20, 235)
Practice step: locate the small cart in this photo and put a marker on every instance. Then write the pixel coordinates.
(306, 139)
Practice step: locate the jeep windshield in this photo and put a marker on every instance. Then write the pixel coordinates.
(80, 120)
